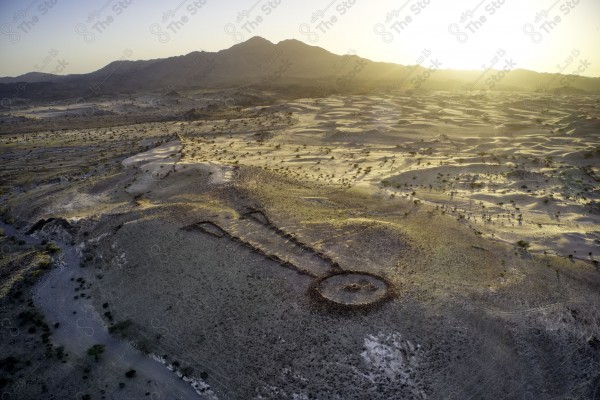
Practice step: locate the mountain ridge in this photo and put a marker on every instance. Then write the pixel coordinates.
(260, 63)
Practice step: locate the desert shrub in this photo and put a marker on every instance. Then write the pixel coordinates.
(96, 351)
(144, 346)
(36, 273)
(9, 364)
(31, 316)
(60, 352)
(187, 371)
(52, 248)
(44, 263)
(120, 328)
(4, 382)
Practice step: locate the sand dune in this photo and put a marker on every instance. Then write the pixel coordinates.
(509, 167)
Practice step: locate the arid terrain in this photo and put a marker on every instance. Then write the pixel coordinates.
(400, 245)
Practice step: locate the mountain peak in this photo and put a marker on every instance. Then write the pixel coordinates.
(260, 61)
(299, 47)
(258, 40)
(293, 42)
(253, 42)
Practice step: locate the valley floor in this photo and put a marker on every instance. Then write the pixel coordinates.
(425, 246)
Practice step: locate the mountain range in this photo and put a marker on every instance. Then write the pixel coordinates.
(290, 67)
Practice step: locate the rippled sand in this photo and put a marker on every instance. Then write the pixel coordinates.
(514, 166)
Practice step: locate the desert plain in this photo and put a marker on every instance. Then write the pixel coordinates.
(407, 244)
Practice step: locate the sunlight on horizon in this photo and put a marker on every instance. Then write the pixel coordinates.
(538, 35)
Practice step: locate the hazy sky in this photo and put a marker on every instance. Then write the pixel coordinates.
(78, 36)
